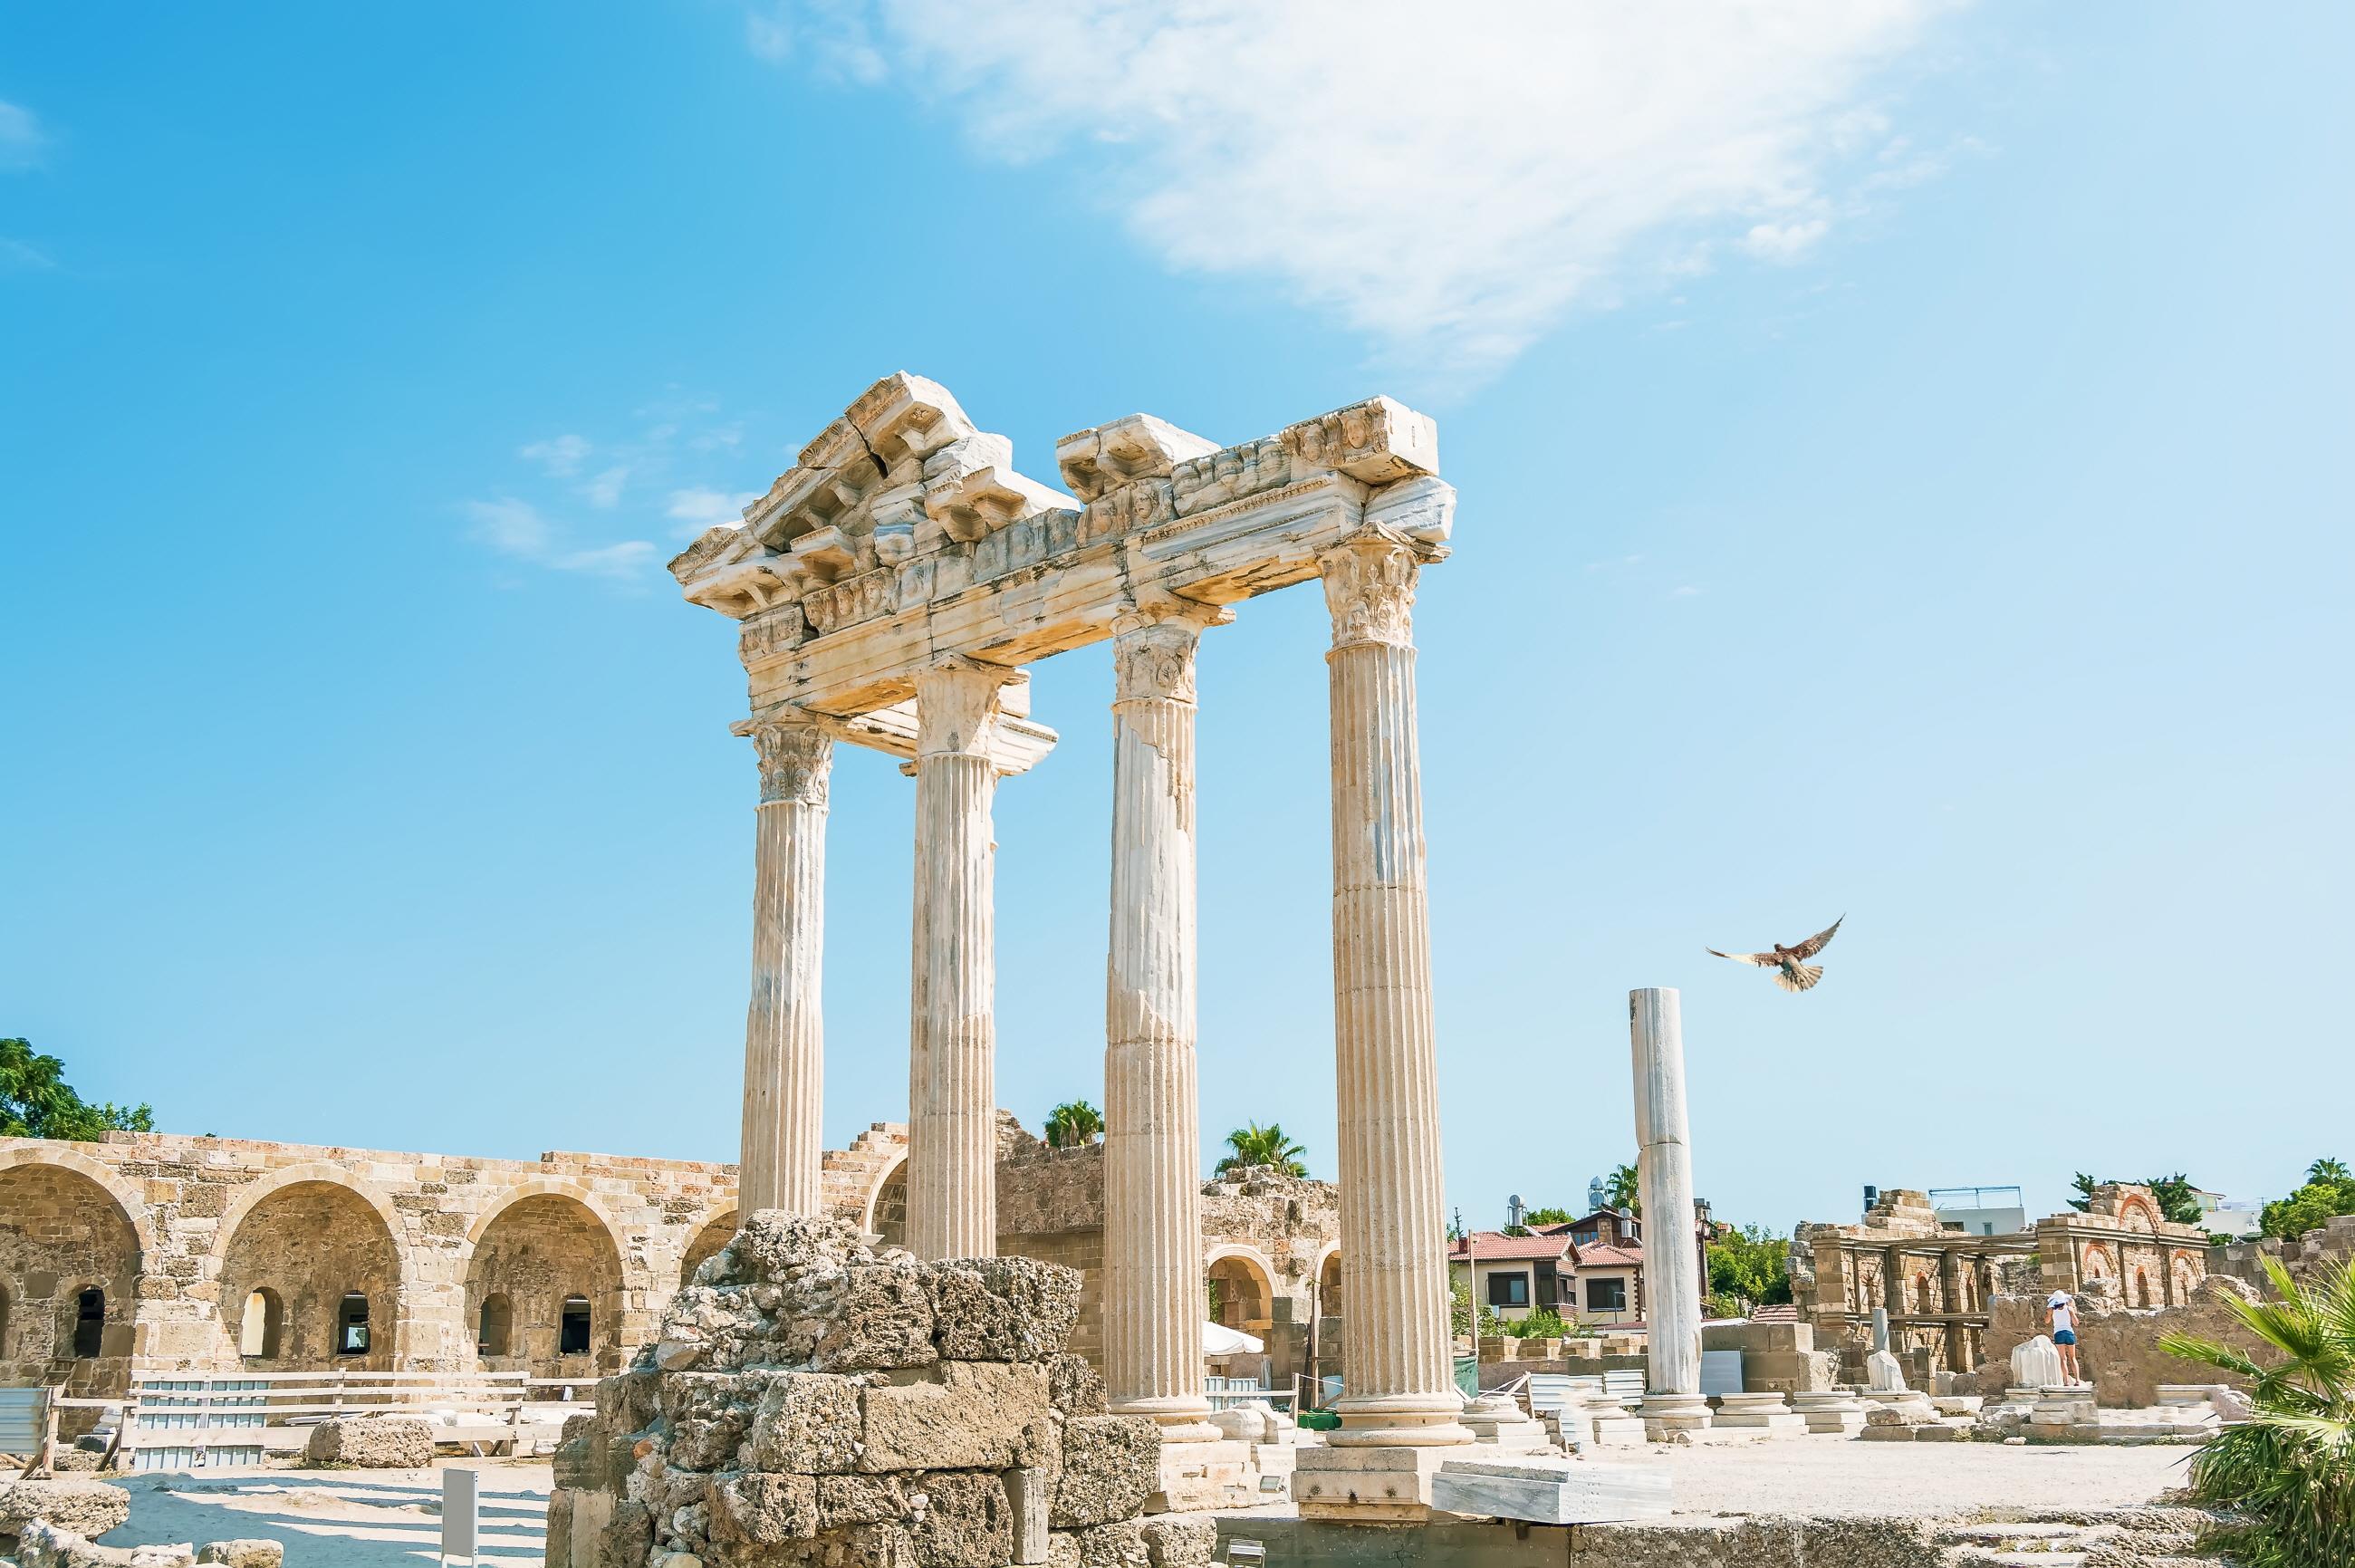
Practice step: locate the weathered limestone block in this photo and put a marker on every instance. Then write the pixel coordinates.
(70, 1503)
(709, 1415)
(1002, 1309)
(960, 1416)
(2036, 1363)
(1117, 1545)
(965, 1521)
(244, 1553)
(884, 1320)
(807, 1421)
(859, 1500)
(1111, 1464)
(1074, 1387)
(46, 1546)
(1179, 1540)
(371, 1442)
(761, 1508)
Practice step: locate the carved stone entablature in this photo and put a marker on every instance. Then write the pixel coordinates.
(905, 534)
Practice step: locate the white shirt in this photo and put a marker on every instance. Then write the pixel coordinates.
(2064, 1321)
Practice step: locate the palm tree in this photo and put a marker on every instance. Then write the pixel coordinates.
(2290, 1471)
(1073, 1124)
(1624, 1189)
(2326, 1170)
(1255, 1145)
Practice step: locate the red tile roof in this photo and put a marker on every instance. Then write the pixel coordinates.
(1602, 1257)
(1495, 1247)
(1785, 1312)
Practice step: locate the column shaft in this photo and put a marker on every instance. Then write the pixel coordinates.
(1153, 1210)
(1664, 1168)
(1397, 1353)
(785, 1040)
(952, 1049)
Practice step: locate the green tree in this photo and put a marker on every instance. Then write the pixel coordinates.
(2327, 1193)
(2289, 1472)
(2178, 1199)
(36, 1100)
(1255, 1145)
(1750, 1262)
(2084, 1185)
(1548, 1216)
(1623, 1189)
(1073, 1124)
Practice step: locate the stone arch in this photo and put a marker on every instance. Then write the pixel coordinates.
(2141, 1286)
(2098, 1264)
(1244, 1282)
(127, 1198)
(313, 1237)
(541, 1247)
(716, 1232)
(72, 1252)
(2186, 1276)
(885, 1211)
(1328, 1276)
(2136, 1214)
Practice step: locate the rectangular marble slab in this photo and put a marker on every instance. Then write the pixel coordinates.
(1557, 1491)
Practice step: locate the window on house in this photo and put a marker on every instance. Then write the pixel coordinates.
(257, 1330)
(1508, 1289)
(1607, 1294)
(90, 1324)
(352, 1326)
(494, 1327)
(573, 1327)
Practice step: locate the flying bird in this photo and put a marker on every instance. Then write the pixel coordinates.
(1790, 972)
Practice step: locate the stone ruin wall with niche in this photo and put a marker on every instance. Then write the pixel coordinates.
(177, 1234)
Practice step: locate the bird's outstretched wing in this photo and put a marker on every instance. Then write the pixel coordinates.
(1763, 960)
(1817, 943)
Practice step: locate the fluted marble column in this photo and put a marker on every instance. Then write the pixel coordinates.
(1397, 1357)
(1153, 1141)
(785, 1039)
(1672, 1398)
(953, 1042)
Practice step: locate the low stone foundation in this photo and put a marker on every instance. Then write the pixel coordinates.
(813, 1400)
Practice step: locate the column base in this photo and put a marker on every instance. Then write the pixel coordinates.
(1369, 1485)
(1401, 1421)
(1182, 1418)
(1220, 1473)
(1666, 1414)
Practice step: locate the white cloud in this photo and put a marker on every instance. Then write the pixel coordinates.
(700, 508)
(1450, 180)
(605, 491)
(21, 140)
(17, 256)
(559, 454)
(521, 531)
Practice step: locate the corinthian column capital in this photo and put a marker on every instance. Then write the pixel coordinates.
(1370, 589)
(796, 759)
(957, 707)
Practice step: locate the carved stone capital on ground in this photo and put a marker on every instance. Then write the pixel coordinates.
(796, 759)
(958, 705)
(1370, 588)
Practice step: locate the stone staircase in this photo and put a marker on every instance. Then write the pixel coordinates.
(2161, 1536)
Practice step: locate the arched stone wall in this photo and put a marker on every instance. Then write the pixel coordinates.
(1245, 1283)
(312, 1240)
(714, 1234)
(64, 1231)
(887, 1206)
(538, 1250)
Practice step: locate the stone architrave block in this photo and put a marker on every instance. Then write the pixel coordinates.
(1111, 1464)
(1540, 1490)
(957, 1415)
(371, 1442)
(806, 1422)
(1002, 1309)
(966, 1522)
(761, 1508)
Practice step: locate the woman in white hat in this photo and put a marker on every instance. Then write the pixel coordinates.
(2063, 1309)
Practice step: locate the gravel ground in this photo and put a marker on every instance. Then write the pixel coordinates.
(337, 1519)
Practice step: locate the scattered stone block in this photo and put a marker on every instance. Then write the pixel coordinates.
(1112, 1464)
(74, 1504)
(1179, 1540)
(859, 1500)
(243, 1552)
(1117, 1545)
(1073, 1388)
(1542, 1490)
(371, 1442)
(1002, 1309)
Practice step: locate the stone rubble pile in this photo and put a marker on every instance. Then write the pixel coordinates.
(44, 1546)
(815, 1402)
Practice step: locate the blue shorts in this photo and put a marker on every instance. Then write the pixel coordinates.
(2066, 1336)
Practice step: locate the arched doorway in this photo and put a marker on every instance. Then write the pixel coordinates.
(68, 1275)
(886, 1212)
(551, 1269)
(1240, 1294)
(707, 1246)
(324, 1254)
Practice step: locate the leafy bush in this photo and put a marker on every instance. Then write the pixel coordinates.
(1544, 1323)
(1751, 1263)
(2290, 1471)
(2328, 1193)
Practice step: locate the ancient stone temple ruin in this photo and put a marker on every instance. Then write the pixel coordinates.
(889, 589)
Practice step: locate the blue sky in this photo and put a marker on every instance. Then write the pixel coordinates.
(1903, 465)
